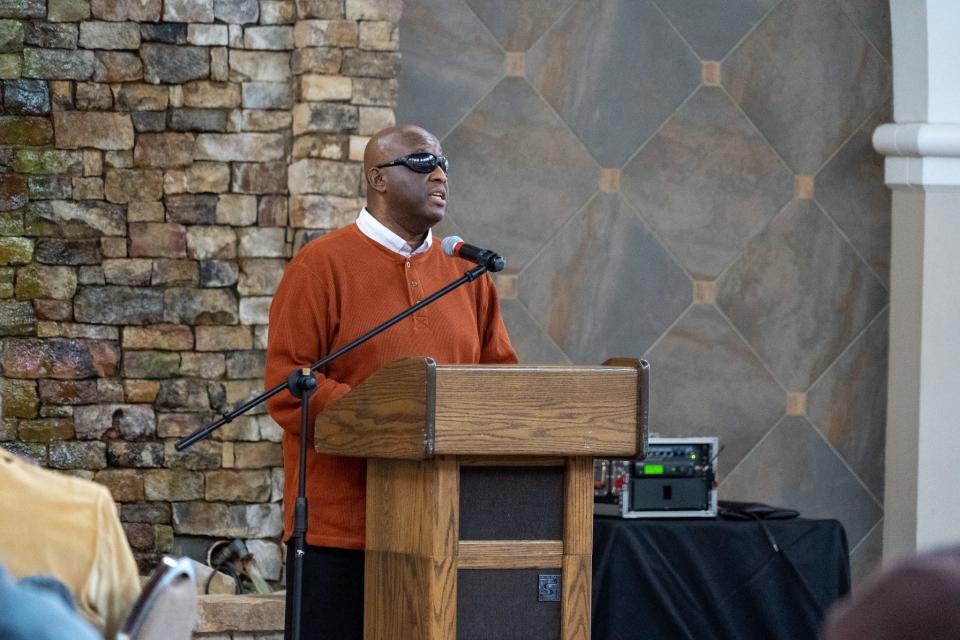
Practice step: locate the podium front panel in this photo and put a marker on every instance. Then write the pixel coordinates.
(505, 604)
(511, 503)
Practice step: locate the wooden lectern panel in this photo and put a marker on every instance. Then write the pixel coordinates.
(513, 410)
(414, 409)
(410, 579)
(429, 432)
(577, 549)
(388, 415)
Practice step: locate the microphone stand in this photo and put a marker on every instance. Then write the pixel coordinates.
(301, 383)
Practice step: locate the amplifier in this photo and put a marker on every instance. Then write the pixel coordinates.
(675, 480)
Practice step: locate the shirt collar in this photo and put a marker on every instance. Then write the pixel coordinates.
(379, 233)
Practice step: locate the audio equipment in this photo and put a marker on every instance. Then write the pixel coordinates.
(675, 480)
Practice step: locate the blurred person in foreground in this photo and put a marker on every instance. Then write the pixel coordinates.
(337, 288)
(65, 527)
(39, 608)
(914, 599)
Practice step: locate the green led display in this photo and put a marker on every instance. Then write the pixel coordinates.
(653, 469)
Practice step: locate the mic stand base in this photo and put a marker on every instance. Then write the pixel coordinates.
(301, 384)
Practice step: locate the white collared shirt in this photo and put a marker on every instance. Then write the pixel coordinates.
(379, 233)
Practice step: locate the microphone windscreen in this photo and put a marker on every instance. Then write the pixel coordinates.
(449, 245)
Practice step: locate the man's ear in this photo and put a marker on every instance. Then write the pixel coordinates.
(376, 180)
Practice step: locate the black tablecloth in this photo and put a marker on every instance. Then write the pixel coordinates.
(715, 579)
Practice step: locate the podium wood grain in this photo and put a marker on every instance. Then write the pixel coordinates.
(575, 597)
(388, 415)
(419, 423)
(534, 410)
(415, 409)
(510, 554)
(410, 577)
(409, 597)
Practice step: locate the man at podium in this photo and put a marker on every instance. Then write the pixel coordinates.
(338, 287)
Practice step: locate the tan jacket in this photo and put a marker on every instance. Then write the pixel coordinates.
(57, 525)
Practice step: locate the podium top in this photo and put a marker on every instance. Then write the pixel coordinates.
(414, 409)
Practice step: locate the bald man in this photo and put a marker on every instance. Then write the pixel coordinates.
(337, 288)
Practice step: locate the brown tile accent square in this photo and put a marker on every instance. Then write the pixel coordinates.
(710, 73)
(506, 285)
(610, 180)
(704, 292)
(796, 404)
(515, 64)
(803, 187)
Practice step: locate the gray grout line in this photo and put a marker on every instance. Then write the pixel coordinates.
(849, 346)
(750, 346)
(656, 5)
(850, 244)
(863, 34)
(563, 225)
(546, 334)
(560, 16)
(659, 128)
(846, 464)
(752, 449)
(757, 129)
(486, 28)
(664, 246)
(717, 304)
(857, 546)
(667, 331)
(750, 31)
(476, 104)
(843, 143)
(579, 141)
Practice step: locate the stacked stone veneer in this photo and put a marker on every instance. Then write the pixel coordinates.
(161, 161)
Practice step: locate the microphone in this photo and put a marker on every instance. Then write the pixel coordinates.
(455, 247)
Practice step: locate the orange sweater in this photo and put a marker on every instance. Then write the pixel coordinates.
(335, 289)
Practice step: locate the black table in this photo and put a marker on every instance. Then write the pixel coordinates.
(715, 579)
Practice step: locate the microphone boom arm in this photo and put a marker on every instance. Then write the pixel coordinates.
(301, 383)
(226, 418)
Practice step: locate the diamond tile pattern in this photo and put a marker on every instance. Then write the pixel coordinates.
(705, 185)
(707, 182)
(712, 28)
(873, 18)
(432, 33)
(865, 557)
(448, 226)
(640, 66)
(849, 404)
(706, 380)
(530, 341)
(799, 294)
(850, 188)
(584, 291)
(513, 203)
(808, 477)
(807, 78)
(516, 24)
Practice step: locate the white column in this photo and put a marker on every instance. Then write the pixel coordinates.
(922, 149)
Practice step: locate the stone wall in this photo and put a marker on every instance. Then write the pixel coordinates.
(229, 617)
(161, 161)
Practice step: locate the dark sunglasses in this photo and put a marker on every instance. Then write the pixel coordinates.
(420, 162)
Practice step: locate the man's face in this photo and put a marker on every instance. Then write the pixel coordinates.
(415, 201)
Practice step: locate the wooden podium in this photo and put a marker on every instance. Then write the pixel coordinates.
(480, 492)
